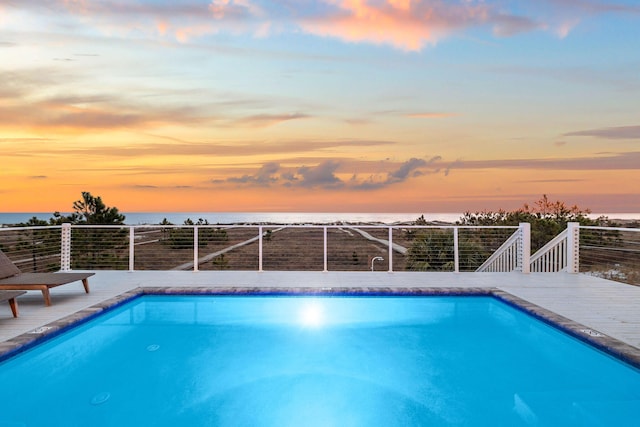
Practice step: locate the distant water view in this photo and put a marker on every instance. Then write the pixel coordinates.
(137, 218)
(178, 218)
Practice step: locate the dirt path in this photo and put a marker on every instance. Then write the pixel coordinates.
(396, 247)
(209, 257)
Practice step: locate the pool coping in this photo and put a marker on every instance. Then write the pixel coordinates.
(609, 345)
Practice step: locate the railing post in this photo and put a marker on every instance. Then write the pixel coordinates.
(195, 248)
(456, 251)
(132, 236)
(524, 250)
(65, 247)
(390, 249)
(326, 264)
(573, 247)
(260, 248)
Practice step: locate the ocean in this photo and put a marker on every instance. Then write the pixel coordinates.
(178, 218)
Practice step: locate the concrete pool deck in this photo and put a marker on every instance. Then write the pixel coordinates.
(604, 306)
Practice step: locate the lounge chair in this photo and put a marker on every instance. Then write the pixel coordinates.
(11, 297)
(11, 278)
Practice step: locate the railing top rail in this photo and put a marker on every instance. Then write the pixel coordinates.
(385, 227)
(100, 226)
(229, 226)
(31, 227)
(381, 226)
(592, 227)
(512, 227)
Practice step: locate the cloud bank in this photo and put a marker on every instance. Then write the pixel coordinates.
(409, 25)
(330, 174)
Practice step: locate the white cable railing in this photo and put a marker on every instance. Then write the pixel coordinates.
(254, 247)
(610, 253)
(607, 252)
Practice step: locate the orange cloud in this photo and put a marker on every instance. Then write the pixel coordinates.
(162, 27)
(405, 24)
(401, 4)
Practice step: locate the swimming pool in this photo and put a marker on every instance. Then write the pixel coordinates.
(316, 361)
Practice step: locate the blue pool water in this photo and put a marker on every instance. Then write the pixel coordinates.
(316, 361)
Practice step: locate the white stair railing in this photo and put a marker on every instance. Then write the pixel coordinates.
(560, 254)
(512, 255)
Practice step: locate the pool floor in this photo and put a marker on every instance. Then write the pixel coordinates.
(316, 361)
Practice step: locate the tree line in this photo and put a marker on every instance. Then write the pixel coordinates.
(431, 249)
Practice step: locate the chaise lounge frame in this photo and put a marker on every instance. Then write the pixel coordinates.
(11, 278)
(10, 296)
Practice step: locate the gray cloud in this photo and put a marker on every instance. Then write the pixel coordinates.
(452, 165)
(412, 168)
(263, 177)
(322, 175)
(620, 132)
(119, 8)
(407, 168)
(325, 174)
(510, 25)
(145, 187)
(617, 161)
(596, 6)
(157, 187)
(534, 181)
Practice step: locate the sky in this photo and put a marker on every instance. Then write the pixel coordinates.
(319, 105)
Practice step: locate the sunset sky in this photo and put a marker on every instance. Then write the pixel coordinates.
(319, 105)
